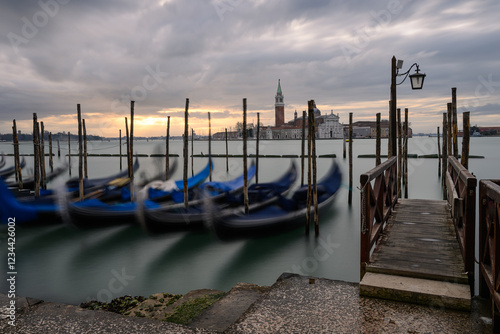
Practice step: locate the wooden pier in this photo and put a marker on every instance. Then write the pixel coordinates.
(418, 250)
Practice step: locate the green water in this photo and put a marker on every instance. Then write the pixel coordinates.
(62, 264)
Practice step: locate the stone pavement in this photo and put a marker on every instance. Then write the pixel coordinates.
(294, 304)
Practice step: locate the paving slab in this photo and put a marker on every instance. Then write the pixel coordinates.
(229, 308)
(53, 318)
(299, 304)
(416, 290)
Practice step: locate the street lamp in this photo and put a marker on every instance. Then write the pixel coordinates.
(417, 82)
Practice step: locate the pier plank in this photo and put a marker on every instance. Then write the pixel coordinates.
(419, 241)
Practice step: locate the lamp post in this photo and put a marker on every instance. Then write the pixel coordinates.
(417, 82)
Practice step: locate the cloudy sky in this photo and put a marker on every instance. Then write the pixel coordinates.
(55, 54)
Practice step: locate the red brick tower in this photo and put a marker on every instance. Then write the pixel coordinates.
(279, 107)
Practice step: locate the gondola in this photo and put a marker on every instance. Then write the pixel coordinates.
(96, 212)
(29, 182)
(46, 209)
(39, 210)
(215, 197)
(6, 172)
(284, 214)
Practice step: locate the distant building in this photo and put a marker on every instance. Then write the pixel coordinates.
(359, 129)
(327, 126)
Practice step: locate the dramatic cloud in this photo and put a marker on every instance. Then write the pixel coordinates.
(57, 53)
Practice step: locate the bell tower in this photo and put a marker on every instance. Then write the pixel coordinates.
(279, 107)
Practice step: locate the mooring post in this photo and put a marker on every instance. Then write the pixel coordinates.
(131, 163)
(450, 128)
(257, 150)
(127, 142)
(350, 159)
(400, 151)
(227, 154)
(51, 161)
(36, 156)
(405, 153)
(85, 170)
(80, 155)
(210, 146)
(310, 111)
(439, 152)
(245, 172)
(303, 148)
(344, 144)
(58, 147)
(42, 157)
(445, 153)
(17, 162)
(390, 152)
(314, 176)
(185, 153)
(16, 148)
(69, 152)
(192, 152)
(167, 150)
(455, 121)
(466, 140)
(120, 145)
(378, 142)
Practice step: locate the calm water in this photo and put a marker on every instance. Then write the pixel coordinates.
(62, 264)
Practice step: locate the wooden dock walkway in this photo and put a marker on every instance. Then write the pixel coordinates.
(417, 250)
(419, 241)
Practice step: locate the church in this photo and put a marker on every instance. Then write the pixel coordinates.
(327, 126)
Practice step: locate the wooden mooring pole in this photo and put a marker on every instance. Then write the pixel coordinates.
(51, 161)
(127, 142)
(449, 139)
(349, 200)
(185, 154)
(315, 173)
(466, 140)
(120, 145)
(439, 152)
(36, 161)
(167, 150)
(131, 161)
(80, 153)
(43, 175)
(17, 163)
(227, 154)
(399, 134)
(405, 153)
(445, 154)
(378, 142)
(310, 111)
(209, 146)
(69, 152)
(302, 157)
(245, 172)
(192, 152)
(344, 144)
(455, 121)
(257, 149)
(85, 169)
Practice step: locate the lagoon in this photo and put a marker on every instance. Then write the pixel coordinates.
(62, 264)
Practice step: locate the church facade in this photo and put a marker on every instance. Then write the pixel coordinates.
(327, 126)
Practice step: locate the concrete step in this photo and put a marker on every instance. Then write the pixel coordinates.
(220, 315)
(436, 294)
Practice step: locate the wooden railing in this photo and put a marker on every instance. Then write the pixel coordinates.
(377, 202)
(489, 245)
(461, 193)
